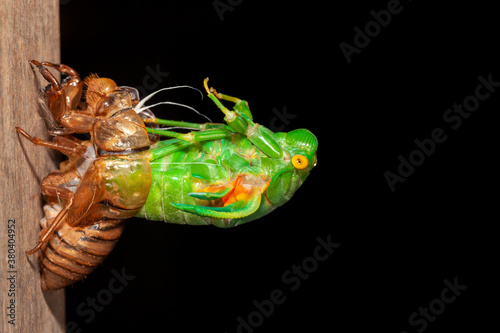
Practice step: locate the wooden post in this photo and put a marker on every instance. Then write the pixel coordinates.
(28, 30)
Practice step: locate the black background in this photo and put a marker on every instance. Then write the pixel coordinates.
(396, 248)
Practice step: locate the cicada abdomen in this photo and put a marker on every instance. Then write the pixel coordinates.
(74, 249)
(74, 252)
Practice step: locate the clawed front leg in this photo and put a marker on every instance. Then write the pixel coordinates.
(65, 146)
(73, 85)
(60, 98)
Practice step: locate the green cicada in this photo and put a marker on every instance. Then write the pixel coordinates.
(220, 174)
(225, 174)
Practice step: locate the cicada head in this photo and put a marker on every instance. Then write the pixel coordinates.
(104, 97)
(300, 148)
(97, 88)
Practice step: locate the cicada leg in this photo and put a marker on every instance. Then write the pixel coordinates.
(240, 120)
(55, 95)
(61, 193)
(60, 97)
(63, 98)
(186, 139)
(78, 204)
(185, 124)
(73, 85)
(65, 146)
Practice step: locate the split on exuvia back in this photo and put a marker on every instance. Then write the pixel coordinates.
(224, 174)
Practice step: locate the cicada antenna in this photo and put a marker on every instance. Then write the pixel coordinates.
(172, 103)
(140, 106)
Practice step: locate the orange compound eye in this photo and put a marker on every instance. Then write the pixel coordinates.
(300, 162)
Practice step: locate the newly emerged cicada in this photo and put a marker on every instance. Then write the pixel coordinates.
(219, 174)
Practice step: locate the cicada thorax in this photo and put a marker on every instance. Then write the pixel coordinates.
(121, 134)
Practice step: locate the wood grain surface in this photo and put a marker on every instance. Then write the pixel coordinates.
(28, 30)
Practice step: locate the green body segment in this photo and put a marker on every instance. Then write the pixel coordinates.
(179, 178)
(177, 175)
(225, 175)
